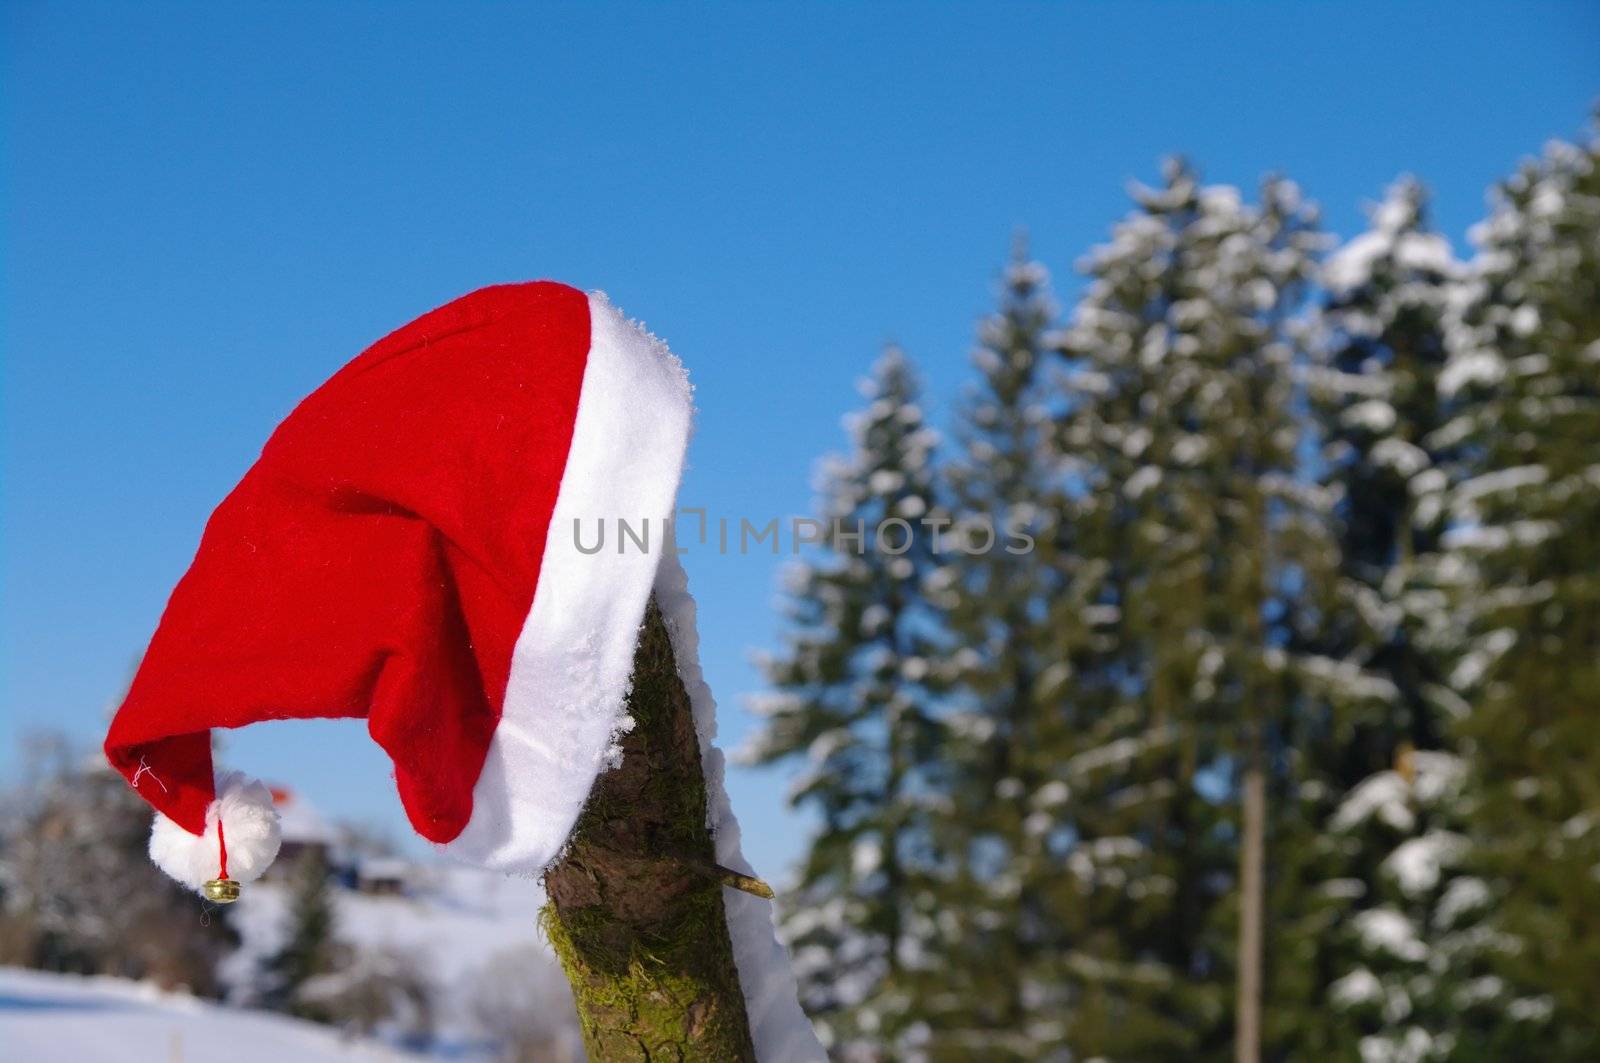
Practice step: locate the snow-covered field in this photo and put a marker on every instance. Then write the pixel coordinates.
(453, 924)
(461, 929)
(48, 1017)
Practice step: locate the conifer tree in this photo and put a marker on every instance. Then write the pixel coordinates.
(1182, 430)
(995, 588)
(1385, 707)
(309, 949)
(850, 696)
(1374, 394)
(1524, 371)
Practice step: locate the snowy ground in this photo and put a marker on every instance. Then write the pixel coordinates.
(454, 923)
(48, 1017)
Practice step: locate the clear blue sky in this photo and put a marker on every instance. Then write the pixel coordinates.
(206, 212)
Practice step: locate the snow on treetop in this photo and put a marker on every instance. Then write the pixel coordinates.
(1374, 415)
(1473, 367)
(1388, 930)
(1437, 775)
(1500, 480)
(1358, 987)
(1027, 274)
(1389, 798)
(1418, 863)
(1406, 459)
(1384, 796)
(1331, 382)
(1354, 264)
(1051, 794)
(1498, 537)
(1464, 895)
(1145, 478)
(1117, 753)
(1348, 677)
(1474, 665)
(1411, 1045)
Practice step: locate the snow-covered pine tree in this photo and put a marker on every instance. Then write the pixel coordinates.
(1136, 823)
(850, 696)
(1182, 431)
(995, 588)
(1379, 351)
(1524, 370)
(1384, 707)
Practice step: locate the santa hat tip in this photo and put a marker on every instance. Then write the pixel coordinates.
(244, 847)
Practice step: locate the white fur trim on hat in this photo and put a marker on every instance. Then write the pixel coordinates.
(566, 697)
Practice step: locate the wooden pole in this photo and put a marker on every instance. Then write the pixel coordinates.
(1252, 901)
(635, 908)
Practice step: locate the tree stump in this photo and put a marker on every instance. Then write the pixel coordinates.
(635, 908)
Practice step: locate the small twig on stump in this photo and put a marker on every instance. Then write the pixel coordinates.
(745, 883)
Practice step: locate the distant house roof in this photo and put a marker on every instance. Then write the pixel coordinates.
(299, 820)
(383, 867)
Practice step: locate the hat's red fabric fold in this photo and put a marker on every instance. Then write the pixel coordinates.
(377, 561)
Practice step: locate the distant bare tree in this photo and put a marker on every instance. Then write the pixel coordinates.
(78, 892)
(520, 999)
(373, 988)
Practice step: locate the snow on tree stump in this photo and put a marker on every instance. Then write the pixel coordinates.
(635, 910)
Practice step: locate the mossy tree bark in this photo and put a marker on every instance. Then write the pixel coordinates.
(635, 906)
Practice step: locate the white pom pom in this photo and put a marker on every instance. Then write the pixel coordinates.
(249, 826)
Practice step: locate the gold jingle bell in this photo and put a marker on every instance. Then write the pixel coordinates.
(221, 890)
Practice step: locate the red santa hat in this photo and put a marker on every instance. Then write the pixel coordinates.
(405, 551)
